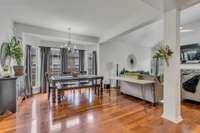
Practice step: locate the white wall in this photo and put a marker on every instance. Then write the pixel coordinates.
(6, 31)
(116, 52)
(33, 40)
(138, 42)
(20, 28)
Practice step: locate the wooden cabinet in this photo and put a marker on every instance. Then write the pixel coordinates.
(11, 89)
(8, 94)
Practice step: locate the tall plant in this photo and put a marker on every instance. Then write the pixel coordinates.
(13, 49)
(164, 52)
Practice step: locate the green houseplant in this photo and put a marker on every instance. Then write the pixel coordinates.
(13, 49)
(163, 52)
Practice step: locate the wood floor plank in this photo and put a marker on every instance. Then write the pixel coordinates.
(84, 112)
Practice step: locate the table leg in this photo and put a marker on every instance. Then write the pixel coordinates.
(95, 91)
(101, 84)
(143, 97)
(59, 95)
(49, 92)
(154, 94)
(93, 87)
(118, 89)
(109, 90)
(54, 95)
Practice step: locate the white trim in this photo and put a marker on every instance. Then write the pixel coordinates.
(170, 118)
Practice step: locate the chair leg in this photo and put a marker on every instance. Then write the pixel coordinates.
(49, 93)
(99, 90)
(95, 91)
(60, 92)
(54, 95)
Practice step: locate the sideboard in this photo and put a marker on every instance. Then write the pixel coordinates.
(10, 89)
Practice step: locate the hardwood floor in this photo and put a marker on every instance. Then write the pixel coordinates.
(83, 112)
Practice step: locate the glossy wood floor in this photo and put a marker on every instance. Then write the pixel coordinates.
(83, 112)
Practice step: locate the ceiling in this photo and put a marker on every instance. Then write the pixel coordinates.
(146, 36)
(153, 33)
(101, 18)
(190, 15)
(89, 17)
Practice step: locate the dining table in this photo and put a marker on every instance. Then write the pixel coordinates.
(94, 81)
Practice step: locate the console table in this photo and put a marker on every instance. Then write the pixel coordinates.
(137, 88)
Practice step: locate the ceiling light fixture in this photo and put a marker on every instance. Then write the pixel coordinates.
(182, 30)
(69, 44)
(186, 30)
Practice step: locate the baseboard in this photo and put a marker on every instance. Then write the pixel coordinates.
(176, 120)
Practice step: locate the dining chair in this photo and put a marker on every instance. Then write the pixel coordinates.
(49, 85)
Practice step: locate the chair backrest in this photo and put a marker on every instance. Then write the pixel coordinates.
(83, 72)
(66, 73)
(47, 77)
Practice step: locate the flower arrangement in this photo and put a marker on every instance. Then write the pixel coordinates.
(164, 52)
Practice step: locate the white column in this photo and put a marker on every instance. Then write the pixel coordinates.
(172, 89)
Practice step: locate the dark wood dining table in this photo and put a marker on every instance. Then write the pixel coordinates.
(67, 79)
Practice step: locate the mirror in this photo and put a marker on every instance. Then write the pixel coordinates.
(131, 61)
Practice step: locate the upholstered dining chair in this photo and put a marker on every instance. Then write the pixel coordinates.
(49, 85)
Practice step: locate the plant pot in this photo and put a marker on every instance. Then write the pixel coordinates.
(75, 74)
(19, 70)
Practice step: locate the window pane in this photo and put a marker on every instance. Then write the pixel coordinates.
(73, 60)
(90, 63)
(33, 66)
(55, 61)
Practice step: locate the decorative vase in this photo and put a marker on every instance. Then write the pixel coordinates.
(6, 71)
(157, 66)
(19, 70)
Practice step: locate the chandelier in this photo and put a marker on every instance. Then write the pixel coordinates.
(69, 44)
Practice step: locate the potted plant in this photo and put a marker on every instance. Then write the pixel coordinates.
(13, 49)
(163, 52)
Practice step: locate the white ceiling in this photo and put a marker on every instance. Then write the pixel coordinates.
(152, 34)
(190, 15)
(146, 36)
(101, 18)
(90, 17)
